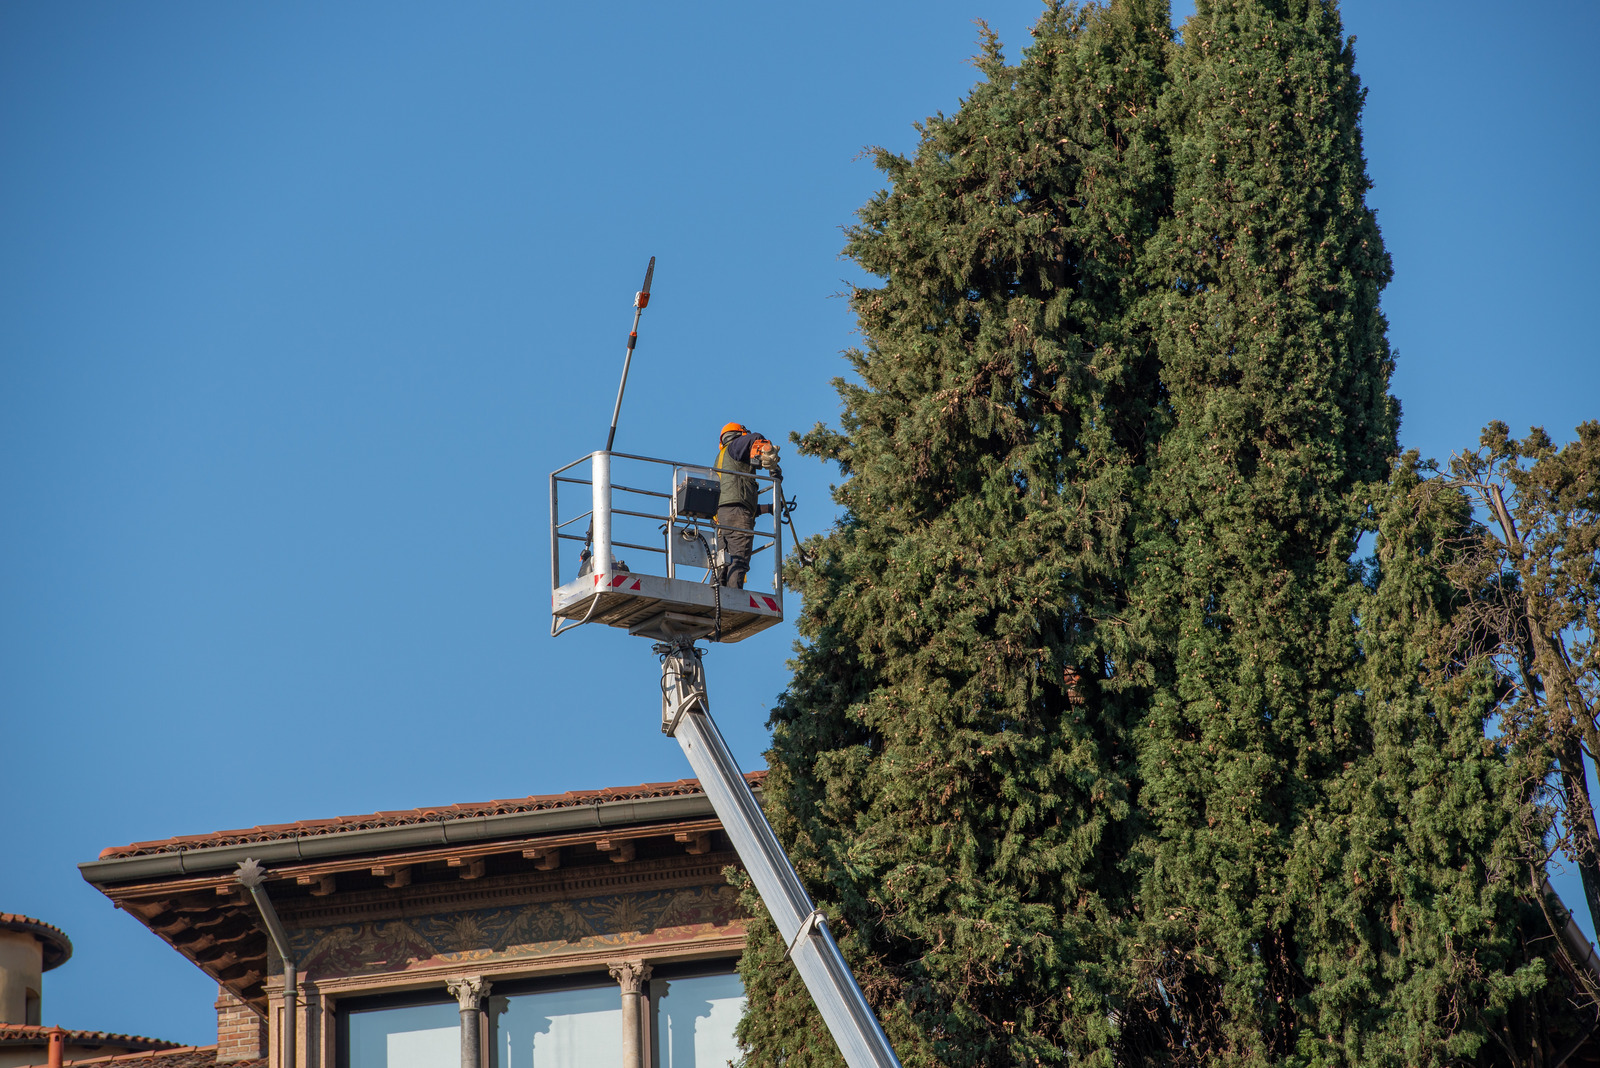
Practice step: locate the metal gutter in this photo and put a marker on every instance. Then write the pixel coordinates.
(1578, 945)
(394, 839)
(1578, 942)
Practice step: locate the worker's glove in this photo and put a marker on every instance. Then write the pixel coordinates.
(765, 509)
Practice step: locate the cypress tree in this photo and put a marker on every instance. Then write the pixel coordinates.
(1425, 939)
(1100, 747)
(1334, 857)
(1421, 930)
(1275, 366)
(946, 771)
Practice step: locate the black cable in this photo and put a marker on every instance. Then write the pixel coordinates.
(716, 586)
(788, 511)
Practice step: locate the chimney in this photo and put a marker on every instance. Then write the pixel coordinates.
(28, 949)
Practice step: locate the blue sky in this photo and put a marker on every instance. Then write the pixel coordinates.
(300, 303)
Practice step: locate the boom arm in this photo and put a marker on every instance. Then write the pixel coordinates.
(686, 715)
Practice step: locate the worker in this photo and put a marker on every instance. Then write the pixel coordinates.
(741, 454)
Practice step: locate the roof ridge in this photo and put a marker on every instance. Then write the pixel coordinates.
(401, 817)
(178, 1053)
(44, 1031)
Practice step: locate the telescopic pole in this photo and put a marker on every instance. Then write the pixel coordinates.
(641, 299)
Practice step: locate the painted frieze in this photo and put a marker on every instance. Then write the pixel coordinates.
(633, 919)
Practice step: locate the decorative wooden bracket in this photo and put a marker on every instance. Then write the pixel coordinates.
(696, 842)
(394, 876)
(621, 851)
(321, 885)
(545, 858)
(471, 867)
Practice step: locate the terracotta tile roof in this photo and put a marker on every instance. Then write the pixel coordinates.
(436, 814)
(57, 946)
(27, 1034)
(179, 1057)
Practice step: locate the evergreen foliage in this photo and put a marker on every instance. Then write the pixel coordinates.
(1416, 935)
(1275, 366)
(945, 789)
(1099, 747)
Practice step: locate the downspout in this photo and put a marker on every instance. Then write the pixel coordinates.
(251, 876)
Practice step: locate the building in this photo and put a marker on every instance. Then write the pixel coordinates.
(28, 949)
(541, 932)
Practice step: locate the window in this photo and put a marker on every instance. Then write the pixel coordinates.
(402, 1036)
(572, 1022)
(572, 1028)
(695, 1019)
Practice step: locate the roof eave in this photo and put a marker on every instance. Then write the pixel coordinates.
(603, 814)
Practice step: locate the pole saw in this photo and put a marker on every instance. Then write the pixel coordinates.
(641, 300)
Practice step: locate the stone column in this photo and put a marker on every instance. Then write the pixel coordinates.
(631, 975)
(469, 993)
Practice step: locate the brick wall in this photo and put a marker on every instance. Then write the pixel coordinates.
(241, 1034)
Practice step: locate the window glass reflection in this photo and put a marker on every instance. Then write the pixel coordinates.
(416, 1036)
(558, 1028)
(695, 1018)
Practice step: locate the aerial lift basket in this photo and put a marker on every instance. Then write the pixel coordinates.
(608, 506)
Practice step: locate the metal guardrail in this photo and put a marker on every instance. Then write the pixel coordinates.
(647, 526)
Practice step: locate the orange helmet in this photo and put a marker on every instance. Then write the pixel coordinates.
(735, 428)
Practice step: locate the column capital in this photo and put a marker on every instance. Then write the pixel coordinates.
(469, 991)
(630, 975)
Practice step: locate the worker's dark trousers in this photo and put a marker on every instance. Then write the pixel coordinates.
(734, 524)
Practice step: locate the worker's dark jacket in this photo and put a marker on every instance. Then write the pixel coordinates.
(735, 456)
